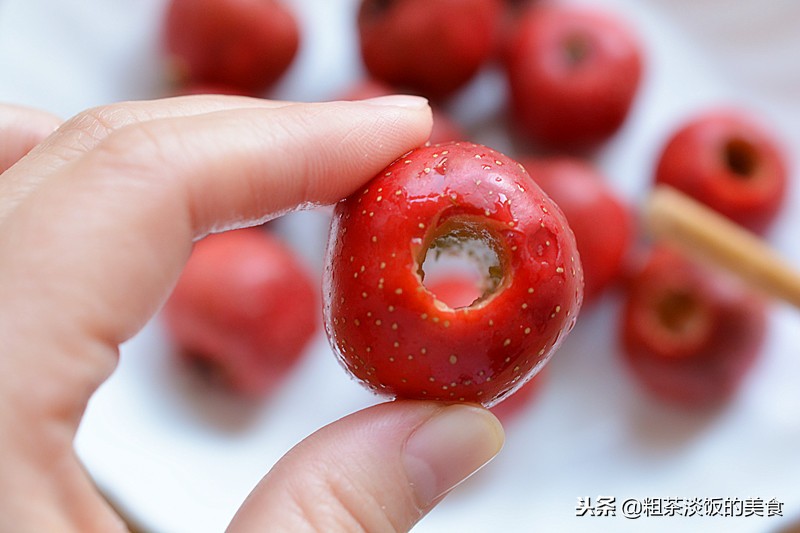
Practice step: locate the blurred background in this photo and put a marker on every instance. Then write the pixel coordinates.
(178, 456)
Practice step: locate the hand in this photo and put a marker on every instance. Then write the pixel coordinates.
(96, 222)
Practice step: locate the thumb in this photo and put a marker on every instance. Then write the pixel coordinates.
(380, 469)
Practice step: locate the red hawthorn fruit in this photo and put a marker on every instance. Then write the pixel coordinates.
(386, 326)
(244, 309)
(602, 223)
(432, 47)
(573, 75)
(458, 288)
(730, 162)
(445, 129)
(246, 45)
(690, 334)
(513, 405)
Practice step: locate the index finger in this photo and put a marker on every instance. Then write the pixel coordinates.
(89, 256)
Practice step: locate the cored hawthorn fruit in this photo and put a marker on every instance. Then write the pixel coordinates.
(602, 222)
(246, 45)
(432, 47)
(690, 334)
(444, 129)
(244, 310)
(458, 287)
(573, 75)
(392, 333)
(729, 161)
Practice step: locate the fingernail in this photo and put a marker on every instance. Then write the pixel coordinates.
(398, 100)
(448, 448)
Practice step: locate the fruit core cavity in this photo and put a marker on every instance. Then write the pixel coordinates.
(576, 49)
(741, 158)
(463, 248)
(678, 312)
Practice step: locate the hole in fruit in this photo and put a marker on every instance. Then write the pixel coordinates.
(374, 8)
(576, 49)
(462, 266)
(678, 312)
(741, 158)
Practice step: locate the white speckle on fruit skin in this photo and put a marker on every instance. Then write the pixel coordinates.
(560, 270)
(398, 291)
(378, 322)
(530, 290)
(453, 359)
(396, 344)
(525, 306)
(423, 351)
(364, 295)
(382, 265)
(408, 161)
(506, 342)
(394, 326)
(527, 331)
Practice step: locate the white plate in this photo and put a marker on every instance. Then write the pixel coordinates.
(179, 459)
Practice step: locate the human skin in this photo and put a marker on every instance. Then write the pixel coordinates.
(96, 223)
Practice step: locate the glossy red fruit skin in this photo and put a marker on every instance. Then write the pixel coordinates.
(444, 129)
(457, 289)
(246, 45)
(432, 47)
(391, 333)
(245, 307)
(602, 222)
(573, 75)
(698, 361)
(729, 161)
